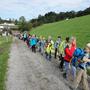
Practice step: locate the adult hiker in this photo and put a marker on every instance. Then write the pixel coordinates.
(82, 72)
(56, 45)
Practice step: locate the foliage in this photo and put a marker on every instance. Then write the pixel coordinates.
(23, 24)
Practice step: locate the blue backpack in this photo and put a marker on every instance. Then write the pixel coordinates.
(77, 57)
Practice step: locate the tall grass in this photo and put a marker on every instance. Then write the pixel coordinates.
(4, 55)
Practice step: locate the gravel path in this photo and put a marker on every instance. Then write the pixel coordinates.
(29, 71)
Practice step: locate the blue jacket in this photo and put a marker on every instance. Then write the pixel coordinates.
(33, 41)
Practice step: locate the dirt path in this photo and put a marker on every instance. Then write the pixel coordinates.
(29, 71)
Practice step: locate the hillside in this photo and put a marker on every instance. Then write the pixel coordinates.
(79, 27)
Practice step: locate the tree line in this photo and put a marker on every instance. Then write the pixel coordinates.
(49, 17)
(54, 17)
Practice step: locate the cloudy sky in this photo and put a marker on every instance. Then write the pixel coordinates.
(32, 8)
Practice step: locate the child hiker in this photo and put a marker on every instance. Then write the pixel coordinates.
(69, 50)
(56, 45)
(61, 50)
(33, 43)
(48, 51)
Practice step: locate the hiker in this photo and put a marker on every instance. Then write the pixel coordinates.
(57, 43)
(42, 45)
(61, 50)
(69, 50)
(73, 41)
(33, 43)
(49, 38)
(82, 72)
(48, 51)
(39, 44)
(50, 47)
(25, 36)
(76, 59)
(28, 38)
(73, 68)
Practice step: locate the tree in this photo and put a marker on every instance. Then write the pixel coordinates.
(22, 23)
(29, 25)
(87, 11)
(16, 22)
(0, 20)
(22, 19)
(50, 17)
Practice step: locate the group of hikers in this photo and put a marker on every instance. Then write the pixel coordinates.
(73, 61)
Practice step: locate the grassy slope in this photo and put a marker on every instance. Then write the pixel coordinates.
(79, 27)
(4, 55)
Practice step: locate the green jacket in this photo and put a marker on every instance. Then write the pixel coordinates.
(61, 47)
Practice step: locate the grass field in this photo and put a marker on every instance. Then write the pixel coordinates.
(78, 27)
(4, 55)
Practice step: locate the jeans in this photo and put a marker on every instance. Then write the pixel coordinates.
(61, 58)
(81, 76)
(67, 69)
(55, 55)
(48, 56)
(34, 48)
(73, 72)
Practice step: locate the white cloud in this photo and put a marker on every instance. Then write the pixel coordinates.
(59, 2)
(32, 8)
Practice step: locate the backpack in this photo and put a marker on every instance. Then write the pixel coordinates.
(77, 57)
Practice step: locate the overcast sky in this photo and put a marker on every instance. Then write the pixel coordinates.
(32, 8)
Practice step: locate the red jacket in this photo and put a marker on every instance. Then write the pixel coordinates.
(69, 53)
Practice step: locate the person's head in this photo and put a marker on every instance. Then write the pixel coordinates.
(73, 40)
(33, 36)
(43, 38)
(49, 37)
(59, 36)
(70, 45)
(67, 39)
(87, 48)
(40, 37)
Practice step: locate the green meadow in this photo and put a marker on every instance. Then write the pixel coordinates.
(78, 27)
(4, 55)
